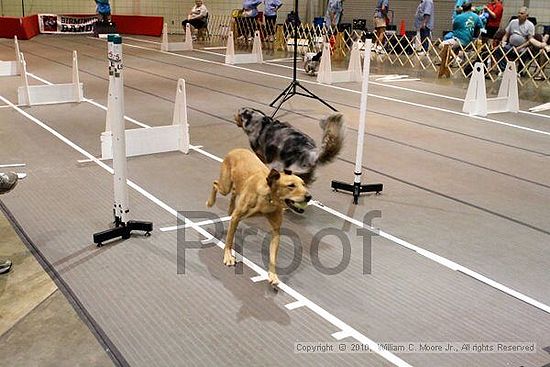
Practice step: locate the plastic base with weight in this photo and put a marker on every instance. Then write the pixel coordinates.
(356, 188)
(122, 230)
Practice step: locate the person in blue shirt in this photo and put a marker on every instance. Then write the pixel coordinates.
(465, 26)
(270, 13)
(103, 10)
(333, 13)
(250, 8)
(458, 8)
(424, 22)
(247, 21)
(380, 21)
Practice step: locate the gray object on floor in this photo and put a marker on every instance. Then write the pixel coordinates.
(5, 266)
(8, 181)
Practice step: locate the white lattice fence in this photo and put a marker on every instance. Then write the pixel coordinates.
(533, 65)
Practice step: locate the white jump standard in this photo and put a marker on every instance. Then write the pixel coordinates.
(476, 101)
(357, 188)
(123, 226)
(29, 95)
(325, 74)
(187, 45)
(255, 57)
(151, 140)
(11, 68)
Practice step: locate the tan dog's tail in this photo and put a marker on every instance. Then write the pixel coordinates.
(333, 138)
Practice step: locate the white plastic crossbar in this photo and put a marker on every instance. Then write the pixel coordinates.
(30, 95)
(302, 44)
(540, 108)
(256, 57)
(11, 68)
(476, 101)
(187, 45)
(158, 139)
(353, 74)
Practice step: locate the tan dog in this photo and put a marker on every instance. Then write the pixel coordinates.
(257, 190)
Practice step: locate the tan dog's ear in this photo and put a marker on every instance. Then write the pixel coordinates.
(238, 120)
(273, 176)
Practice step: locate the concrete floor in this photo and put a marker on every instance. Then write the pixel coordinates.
(468, 196)
(38, 325)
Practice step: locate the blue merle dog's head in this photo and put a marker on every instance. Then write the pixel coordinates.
(251, 120)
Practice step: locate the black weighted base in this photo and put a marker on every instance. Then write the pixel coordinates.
(356, 188)
(123, 231)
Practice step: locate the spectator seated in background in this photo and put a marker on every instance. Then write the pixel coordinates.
(540, 42)
(197, 17)
(518, 35)
(466, 25)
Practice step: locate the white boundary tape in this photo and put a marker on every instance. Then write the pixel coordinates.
(203, 223)
(12, 165)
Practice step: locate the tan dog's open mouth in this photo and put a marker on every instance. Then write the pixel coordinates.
(298, 207)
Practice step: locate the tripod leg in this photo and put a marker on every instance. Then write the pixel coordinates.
(283, 97)
(311, 95)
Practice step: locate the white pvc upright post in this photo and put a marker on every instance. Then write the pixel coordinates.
(76, 78)
(25, 79)
(230, 49)
(509, 88)
(362, 112)
(116, 99)
(108, 118)
(179, 118)
(354, 67)
(164, 43)
(17, 53)
(188, 43)
(324, 75)
(257, 48)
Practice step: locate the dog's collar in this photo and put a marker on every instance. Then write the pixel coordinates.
(272, 201)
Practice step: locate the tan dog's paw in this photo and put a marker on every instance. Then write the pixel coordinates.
(228, 259)
(209, 204)
(273, 278)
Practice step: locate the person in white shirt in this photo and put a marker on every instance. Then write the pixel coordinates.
(197, 16)
(519, 33)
